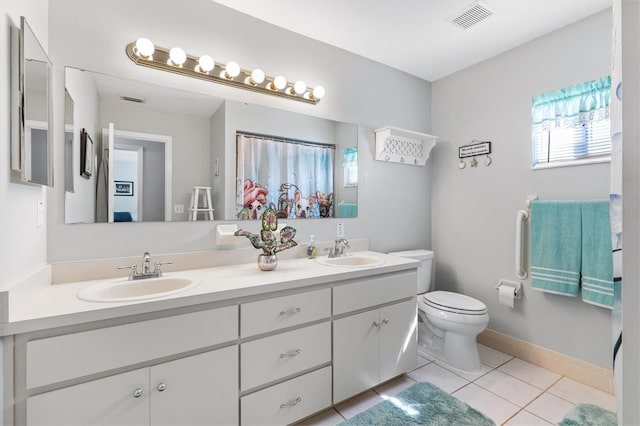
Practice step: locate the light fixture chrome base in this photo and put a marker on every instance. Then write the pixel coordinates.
(190, 68)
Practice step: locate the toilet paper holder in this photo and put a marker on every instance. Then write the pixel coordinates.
(517, 287)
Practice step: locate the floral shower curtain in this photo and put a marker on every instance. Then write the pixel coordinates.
(293, 177)
(616, 198)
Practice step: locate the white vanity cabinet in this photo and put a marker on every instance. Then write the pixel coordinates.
(374, 332)
(285, 358)
(180, 369)
(196, 390)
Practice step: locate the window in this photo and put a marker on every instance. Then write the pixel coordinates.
(571, 126)
(350, 164)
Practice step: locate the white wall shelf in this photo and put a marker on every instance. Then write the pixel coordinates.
(403, 146)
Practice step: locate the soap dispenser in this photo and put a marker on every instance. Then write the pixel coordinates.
(311, 248)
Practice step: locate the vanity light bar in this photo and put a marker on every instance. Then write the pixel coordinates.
(142, 52)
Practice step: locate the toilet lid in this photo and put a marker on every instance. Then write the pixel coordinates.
(454, 302)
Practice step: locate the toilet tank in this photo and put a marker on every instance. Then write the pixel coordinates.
(424, 270)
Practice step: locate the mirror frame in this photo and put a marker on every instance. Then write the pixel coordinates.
(21, 169)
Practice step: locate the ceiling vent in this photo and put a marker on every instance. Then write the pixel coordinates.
(132, 99)
(471, 15)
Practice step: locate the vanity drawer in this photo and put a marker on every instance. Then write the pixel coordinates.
(263, 316)
(289, 401)
(374, 291)
(54, 359)
(274, 357)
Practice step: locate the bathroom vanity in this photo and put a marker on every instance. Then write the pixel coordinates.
(241, 347)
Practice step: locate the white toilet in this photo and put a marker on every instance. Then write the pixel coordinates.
(448, 323)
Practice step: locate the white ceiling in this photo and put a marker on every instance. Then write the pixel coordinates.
(416, 36)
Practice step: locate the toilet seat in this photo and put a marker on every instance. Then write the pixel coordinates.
(454, 302)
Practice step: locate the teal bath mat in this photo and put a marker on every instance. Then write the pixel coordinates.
(421, 404)
(589, 415)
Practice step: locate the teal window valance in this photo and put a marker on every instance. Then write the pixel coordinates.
(580, 104)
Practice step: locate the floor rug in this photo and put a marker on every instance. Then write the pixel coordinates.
(420, 404)
(589, 415)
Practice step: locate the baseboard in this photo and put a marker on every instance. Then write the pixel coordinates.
(583, 372)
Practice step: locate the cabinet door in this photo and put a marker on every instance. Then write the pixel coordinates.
(108, 401)
(355, 354)
(197, 390)
(398, 339)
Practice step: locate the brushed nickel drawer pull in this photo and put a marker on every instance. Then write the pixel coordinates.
(291, 403)
(137, 393)
(290, 311)
(290, 354)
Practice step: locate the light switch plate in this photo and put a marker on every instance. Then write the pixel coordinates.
(340, 230)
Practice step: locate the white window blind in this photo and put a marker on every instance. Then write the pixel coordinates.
(572, 126)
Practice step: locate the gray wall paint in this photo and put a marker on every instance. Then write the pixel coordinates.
(474, 209)
(630, 13)
(22, 243)
(393, 199)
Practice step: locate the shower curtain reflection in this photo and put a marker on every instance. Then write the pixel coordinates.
(293, 177)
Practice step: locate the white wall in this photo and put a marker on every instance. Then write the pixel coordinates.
(393, 199)
(81, 203)
(630, 13)
(22, 244)
(474, 209)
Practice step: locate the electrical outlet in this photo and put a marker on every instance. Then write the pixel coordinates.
(178, 208)
(340, 230)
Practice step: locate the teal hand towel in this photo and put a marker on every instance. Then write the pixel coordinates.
(597, 257)
(555, 246)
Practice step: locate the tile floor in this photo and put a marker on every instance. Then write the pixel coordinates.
(510, 391)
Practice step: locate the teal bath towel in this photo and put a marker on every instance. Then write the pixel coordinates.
(597, 257)
(555, 244)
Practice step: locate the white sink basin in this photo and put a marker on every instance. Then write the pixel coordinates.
(123, 290)
(351, 261)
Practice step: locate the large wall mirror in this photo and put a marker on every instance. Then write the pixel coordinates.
(149, 146)
(31, 155)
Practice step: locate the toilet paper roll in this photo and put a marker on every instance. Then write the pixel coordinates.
(506, 294)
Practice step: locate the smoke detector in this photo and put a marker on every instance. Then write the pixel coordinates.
(471, 15)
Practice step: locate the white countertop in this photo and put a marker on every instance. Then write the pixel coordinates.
(58, 305)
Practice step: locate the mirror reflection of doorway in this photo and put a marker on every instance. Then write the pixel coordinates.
(143, 161)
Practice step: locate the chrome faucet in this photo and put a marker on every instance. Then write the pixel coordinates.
(338, 250)
(146, 268)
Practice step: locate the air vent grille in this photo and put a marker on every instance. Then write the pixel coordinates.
(471, 15)
(132, 99)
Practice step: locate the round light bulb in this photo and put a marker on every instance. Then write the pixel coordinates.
(257, 76)
(318, 92)
(300, 87)
(145, 47)
(232, 69)
(177, 56)
(206, 63)
(280, 82)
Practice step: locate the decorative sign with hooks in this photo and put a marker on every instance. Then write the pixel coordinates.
(474, 149)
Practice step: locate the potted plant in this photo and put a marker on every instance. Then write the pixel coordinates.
(268, 241)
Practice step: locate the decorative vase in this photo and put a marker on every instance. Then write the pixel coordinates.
(267, 262)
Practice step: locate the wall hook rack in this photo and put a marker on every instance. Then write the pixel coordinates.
(472, 150)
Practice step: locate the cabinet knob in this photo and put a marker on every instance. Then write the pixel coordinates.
(290, 354)
(385, 321)
(290, 311)
(162, 387)
(291, 403)
(376, 324)
(137, 393)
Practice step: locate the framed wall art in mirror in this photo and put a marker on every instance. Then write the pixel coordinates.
(86, 154)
